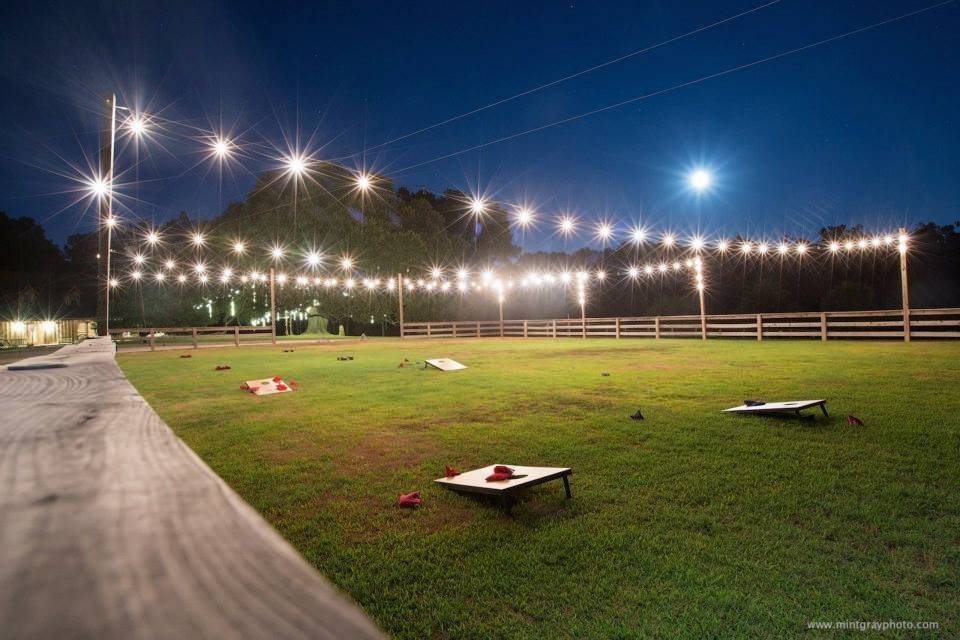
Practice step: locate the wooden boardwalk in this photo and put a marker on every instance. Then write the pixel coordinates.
(110, 527)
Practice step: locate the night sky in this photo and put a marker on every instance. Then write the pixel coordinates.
(861, 130)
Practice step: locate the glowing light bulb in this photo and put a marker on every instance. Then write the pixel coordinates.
(276, 252)
(700, 179)
(198, 239)
(153, 237)
(723, 246)
(697, 243)
(363, 182)
(638, 235)
(524, 217)
(668, 240)
(633, 272)
(567, 225)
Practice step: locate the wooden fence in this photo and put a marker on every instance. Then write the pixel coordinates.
(923, 323)
(188, 336)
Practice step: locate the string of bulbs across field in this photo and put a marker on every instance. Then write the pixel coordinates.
(204, 258)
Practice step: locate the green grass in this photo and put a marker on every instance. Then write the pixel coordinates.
(692, 523)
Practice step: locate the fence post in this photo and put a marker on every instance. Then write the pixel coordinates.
(193, 330)
(152, 334)
(656, 327)
(554, 328)
(478, 328)
(428, 330)
(618, 328)
(759, 328)
(524, 328)
(904, 285)
(454, 329)
(823, 327)
(273, 306)
(236, 335)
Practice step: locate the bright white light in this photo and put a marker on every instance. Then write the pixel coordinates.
(697, 243)
(221, 147)
(139, 259)
(98, 187)
(296, 165)
(862, 244)
(137, 125)
(110, 222)
(204, 278)
(888, 240)
(834, 247)
(198, 239)
(181, 278)
(363, 181)
(746, 248)
(200, 267)
(114, 282)
(282, 278)
(700, 180)
(848, 245)
(565, 277)
(633, 272)
(638, 235)
(801, 248)
(313, 259)
(763, 247)
(668, 240)
(436, 273)
(346, 263)
(783, 248)
(723, 245)
(462, 273)
(567, 225)
(676, 266)
(478, 206)
(239, 247)
(159, 276)
(153, 237)
(662, 268)
(601, 275)
(487, 275)
(169, 264)
(276, 252)
(349, 283)
(225, 276)
(302, 280)
(136, 275)
(648, 269)
(604, 231)
(875, 242)
(524, 217)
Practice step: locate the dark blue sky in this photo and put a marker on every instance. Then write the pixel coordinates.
(865, 129)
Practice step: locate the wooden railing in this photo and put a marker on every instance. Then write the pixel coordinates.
(923, 323)
(184, 336)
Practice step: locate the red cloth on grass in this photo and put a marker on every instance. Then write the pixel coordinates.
(281, 387)
(409, 500)
(277, 379)
(450, 472)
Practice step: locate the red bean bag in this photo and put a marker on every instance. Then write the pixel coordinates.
(409, 500)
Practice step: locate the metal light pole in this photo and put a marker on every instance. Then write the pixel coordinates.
(500, 299)
(107, 139)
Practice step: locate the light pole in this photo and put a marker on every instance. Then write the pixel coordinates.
(107, 139)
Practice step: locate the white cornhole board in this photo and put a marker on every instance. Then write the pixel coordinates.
(476, 481)
(446, 364)
(267, 387)
(792, 406)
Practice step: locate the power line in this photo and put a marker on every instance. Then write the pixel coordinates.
(571, 76)
(675, 87)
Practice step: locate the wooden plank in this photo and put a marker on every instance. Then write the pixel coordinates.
(114, 528)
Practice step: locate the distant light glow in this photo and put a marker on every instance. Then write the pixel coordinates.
(700, 179)
(723, 246)
(363, 181)
(313, 258)
(296, 165)
(567, 225)
(137, 125)
(524, 217)
(198, 239)
(346, 263)
(834, 247)
(633, 272)
(152, 237)
(276, 252)
(638, 235)
(697, 243)
(139, 259)
(604, 231)
(239, 247)
(478, 206)
(668, 240)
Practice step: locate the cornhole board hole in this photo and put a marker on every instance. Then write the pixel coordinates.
(267, 387)
(792, 407)
(475, 481)
(446, 364)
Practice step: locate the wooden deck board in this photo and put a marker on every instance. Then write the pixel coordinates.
(110, 526)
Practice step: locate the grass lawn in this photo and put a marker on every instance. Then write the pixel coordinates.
(692, 523)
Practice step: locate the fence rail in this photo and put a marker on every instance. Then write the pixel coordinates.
(165, 336)
(882, 324)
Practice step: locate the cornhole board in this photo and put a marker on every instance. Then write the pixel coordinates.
(791, 407)
(267, 387)
(446, 364)
(476, 481)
